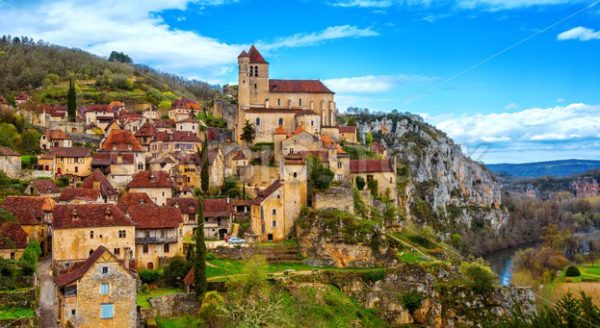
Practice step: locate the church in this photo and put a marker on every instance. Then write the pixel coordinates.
(270, 104)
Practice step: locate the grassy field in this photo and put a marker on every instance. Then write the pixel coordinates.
(16, 313)
(142, 298)
(588, 282)
(225, 267)
(178, 322)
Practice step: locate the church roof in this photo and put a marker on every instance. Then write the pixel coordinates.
(255, 56)
(298, 86)
(243, 54)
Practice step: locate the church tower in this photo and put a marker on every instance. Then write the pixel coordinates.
(295, 187)
(243, 80)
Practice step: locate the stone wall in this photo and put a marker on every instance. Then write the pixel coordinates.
(175, 305)
(276, 253)
(17, 298)
(19, 323)
(334, 197)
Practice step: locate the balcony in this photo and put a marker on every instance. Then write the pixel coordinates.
(156, 240)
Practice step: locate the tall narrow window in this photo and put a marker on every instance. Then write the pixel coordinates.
(104, 289)
(257, 121)
(300, 102)
(251, 70)
(278, 102)
(280, 121)
(106, 311)
(256, 71)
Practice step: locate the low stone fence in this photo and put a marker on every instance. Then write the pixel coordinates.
(275, 253)
(18, 298)
(175, 305)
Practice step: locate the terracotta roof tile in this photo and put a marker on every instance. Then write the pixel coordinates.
(89, 215)
(5, 151)
(29, 210)
(45, 186)
(150, 216)
(56, 135)
(129, 199)
(106, 188)
(243, 54)
(255, 56)
(146, 130)
(185, 205)
(347, 129)
(262, 195)
(370, 165)
(69, 152)
(121, 140)
(177, 136)
(298, 86)
(70, 194)
(151, 179)
(185, 103)
(79, 269)
(12, 236)
(280, 130)
(216, 207)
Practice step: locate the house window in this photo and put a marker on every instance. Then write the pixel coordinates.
(340, 165)
(255, 87)
(295, 175)
(104, 289)
(92, 234)
(117, 251)
(73, 312)
(166, 248)
(274, 223)
(256, 71)
(122, 234)
(104, 270)
(257, 121)
(312, 123)
(391, 180)
(141, 165)
(274, 211)
(107, 311)
(278, 102)
(280, 121)
(145, 249)
(300, 102)
(251, 70)
(12, 255)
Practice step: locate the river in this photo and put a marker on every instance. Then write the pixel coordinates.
(501, 262)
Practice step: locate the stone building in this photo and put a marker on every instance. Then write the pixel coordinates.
(75, 162)
(159, 234)
(119, 168)
(55, 138)
(34, 214)
(267, 213)
(183, 108)
(98, 181)
(383, 171)
(217, 217)
(10, 162)
(42, 187)
(175, 141)
(216, 168)
(99, 292)
(80, 229)
(156, 184)
(268, 103)
(189, 210)
(13, 241)
(123, 142)
(80, 196)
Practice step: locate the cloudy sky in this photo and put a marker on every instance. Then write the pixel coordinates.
(510, 80)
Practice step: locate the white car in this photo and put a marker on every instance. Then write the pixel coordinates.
(236, 241)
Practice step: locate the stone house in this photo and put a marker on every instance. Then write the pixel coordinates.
(218, 216)
(118, 167)
(146, 133)
(55, 138)
(269, 103)
(159, 234)
(101, 115)
(129, 199)
(183, 108)
(190, 124)
(123, 142)
(13, 241)
(98, 292)
(187, 170)
(42, 187)
(10, 162)
(98, 181)
(75, 162)
(161, 162)
(80, 196)
(189, 210)
(34, 214)
(300, 140)
(267, 213)
(175, 141)
(80, 229)
(216, 168)
(384, 171)
(156, 184)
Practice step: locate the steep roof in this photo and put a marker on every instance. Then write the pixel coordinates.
(255, 56)
(212, 155)
(243, 54)
(80, 269)
(121, 140)
(56, 135)
(129, 199)
(178, 136)
(45, 186)
(216, 207)
(151, 179)
(69, 152)
(12, 236)
(106, 159)
(370, 165)
(150, 216)
(29, 210)
(5, 151)
(185, 205)
(146, 130)
(89, 215)
(185, 103)
(298, 86)
(262, 195)
(70, 194)
(106, 188)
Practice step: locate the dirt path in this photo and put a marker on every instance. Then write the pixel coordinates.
(47, 310)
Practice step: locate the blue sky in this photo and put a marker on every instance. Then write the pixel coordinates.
(535, 101)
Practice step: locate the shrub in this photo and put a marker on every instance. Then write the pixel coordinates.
(177, 269)
(212, 310)
(149, 276)
(373, 275)
(572, 271)
(421, 241)
(210, 256)
(373, 187)
(412, 300)
(360, 183)
(481, 278)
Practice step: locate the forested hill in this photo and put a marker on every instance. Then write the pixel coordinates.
(44, 69)
(562, 168)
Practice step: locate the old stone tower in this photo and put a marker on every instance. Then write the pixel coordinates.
(295, 187)
(253, 77)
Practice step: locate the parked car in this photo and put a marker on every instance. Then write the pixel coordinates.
(236, 241)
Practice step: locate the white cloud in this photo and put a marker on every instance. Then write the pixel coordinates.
(510, 106)
(364, 3)
(136, 28)
(579, 33)
(308, 39)
(496, 5)
(574, 121)
(373, 83)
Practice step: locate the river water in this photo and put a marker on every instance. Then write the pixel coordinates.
(501, 263)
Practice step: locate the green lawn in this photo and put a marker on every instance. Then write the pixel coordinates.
(409, 257)
(589, 272)
(178, 322)
(225, 267)
(142, 298)
(16, 313)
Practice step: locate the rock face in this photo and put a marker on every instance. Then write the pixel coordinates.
(441, 185)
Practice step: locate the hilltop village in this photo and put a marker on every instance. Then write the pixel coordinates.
(114, 191)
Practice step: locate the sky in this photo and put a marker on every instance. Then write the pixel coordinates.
(510, 80)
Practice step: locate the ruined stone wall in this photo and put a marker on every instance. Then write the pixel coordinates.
(335, 197)
(175, 305)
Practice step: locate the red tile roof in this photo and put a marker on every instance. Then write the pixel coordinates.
(45, 186)
(298, 86)
(185, 205)
(70, 194)
(255, 56)
(347, 129)
(3, 101)
(177, 136)
(262, 195)
(29, 210)
(129, 199)
(212, 155)
(121, 140)
(12, 236)
(56, 135)
(239, 156)
(370, 165)
(22, 96)
(151, 179)
(280, 130)
(5, 151)
(185, 103)
(69, 152)
(106, 188)
(216, 207)
(150, 216)
(89, 215)
(107, 159)
(243, 54)
(146, 130)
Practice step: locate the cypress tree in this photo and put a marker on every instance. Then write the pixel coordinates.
(204, 166)
(72, 101)
(200, 253)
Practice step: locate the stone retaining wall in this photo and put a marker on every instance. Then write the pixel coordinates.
(19, 323)
(175, 305)
(276, 253)
(18, 298)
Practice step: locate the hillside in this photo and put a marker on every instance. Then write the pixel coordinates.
(561, 168)
(43, 70)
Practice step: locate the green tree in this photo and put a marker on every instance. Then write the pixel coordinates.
(360, 182)
(8, 135)
(204, 176)
(212, 310)
(352, 121)
(231, 187)
(248, 132)
(177, 268)
(200, 260)
(369, 138)
(359, 205)
(72, 102)
(120, 57)
(373, 187)
(319, 176)
(30, 142)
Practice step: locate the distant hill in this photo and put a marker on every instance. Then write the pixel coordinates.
(563, 168)
(43, 70)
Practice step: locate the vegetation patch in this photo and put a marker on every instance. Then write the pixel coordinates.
(16, 313)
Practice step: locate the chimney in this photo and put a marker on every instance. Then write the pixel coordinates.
(152, 178)
(108, 214)
(127, 258)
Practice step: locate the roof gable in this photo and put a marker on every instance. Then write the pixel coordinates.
(298, 86)
(89, 215)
